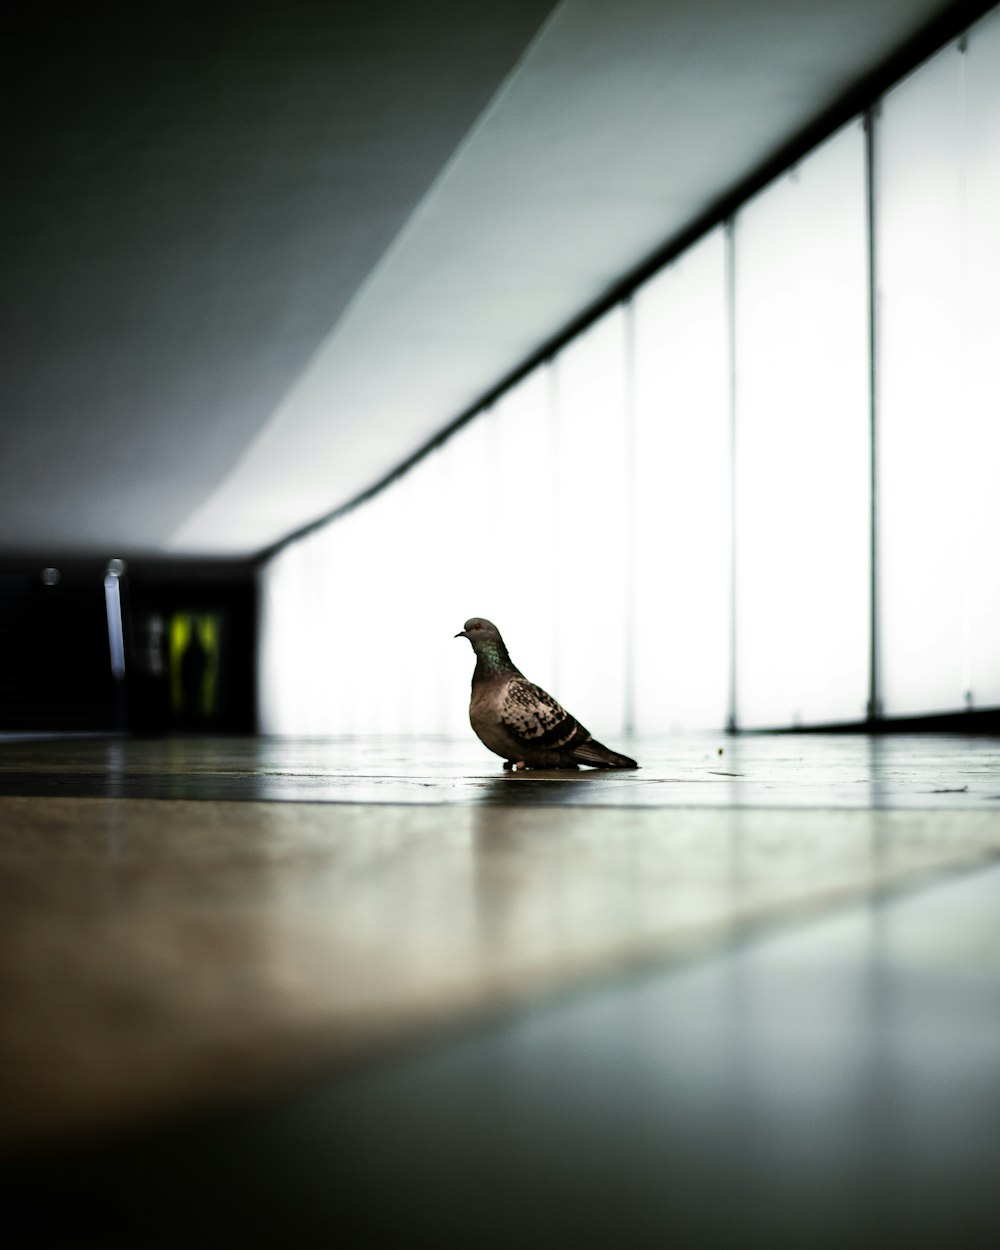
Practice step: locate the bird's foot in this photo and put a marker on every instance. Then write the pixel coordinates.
(508, 765)
(519, 766)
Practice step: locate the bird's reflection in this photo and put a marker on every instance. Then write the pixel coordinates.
(539, 788)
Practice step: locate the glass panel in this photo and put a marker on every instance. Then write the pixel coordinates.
(802, 444)
(517, 549)
(922, 487)
(587, 549)
(461, 564)
(682, 520)
(980, 467)
(280, 590)
(301, 689)
(387, 614)
(380, 637)
(327, 684)
(324, 692)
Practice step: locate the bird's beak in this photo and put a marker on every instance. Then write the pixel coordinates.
(461, 634)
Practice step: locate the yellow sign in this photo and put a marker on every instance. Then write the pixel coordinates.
(194, 664)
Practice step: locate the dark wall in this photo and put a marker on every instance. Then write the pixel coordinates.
(55, 671)
(189, 634)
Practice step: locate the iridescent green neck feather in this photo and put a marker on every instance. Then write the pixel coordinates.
(491, 659)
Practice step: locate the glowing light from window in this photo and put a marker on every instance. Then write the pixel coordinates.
(589, 543)
(802, 444)
(682, 521)
(923, 489)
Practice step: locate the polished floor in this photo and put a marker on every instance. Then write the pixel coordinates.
(767, 967)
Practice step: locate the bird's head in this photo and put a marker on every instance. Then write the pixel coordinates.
(479, 632)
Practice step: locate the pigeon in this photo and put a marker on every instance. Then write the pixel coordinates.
(517, 720)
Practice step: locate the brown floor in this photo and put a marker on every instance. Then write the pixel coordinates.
(187, 925)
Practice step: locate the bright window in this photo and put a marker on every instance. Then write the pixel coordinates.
(923, 517)
(588, 546)
(682, 515)
(802, 443)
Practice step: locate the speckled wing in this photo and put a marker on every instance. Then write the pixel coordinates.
(535, 720)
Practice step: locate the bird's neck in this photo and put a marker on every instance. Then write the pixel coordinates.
(491, 661)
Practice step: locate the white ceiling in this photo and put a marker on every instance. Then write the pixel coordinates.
(254, 262)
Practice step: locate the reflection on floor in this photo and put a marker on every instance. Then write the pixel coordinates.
(755, 985)
(951, 772)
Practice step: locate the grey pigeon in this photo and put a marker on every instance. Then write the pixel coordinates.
(517, 720)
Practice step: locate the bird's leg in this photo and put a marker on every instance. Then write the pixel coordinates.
(520, 766)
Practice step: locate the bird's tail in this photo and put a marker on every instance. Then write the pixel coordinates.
(599, 756)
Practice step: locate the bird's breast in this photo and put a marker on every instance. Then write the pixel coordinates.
(484, 716)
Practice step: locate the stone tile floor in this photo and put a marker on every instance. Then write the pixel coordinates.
(184, 922)
(291, 992)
